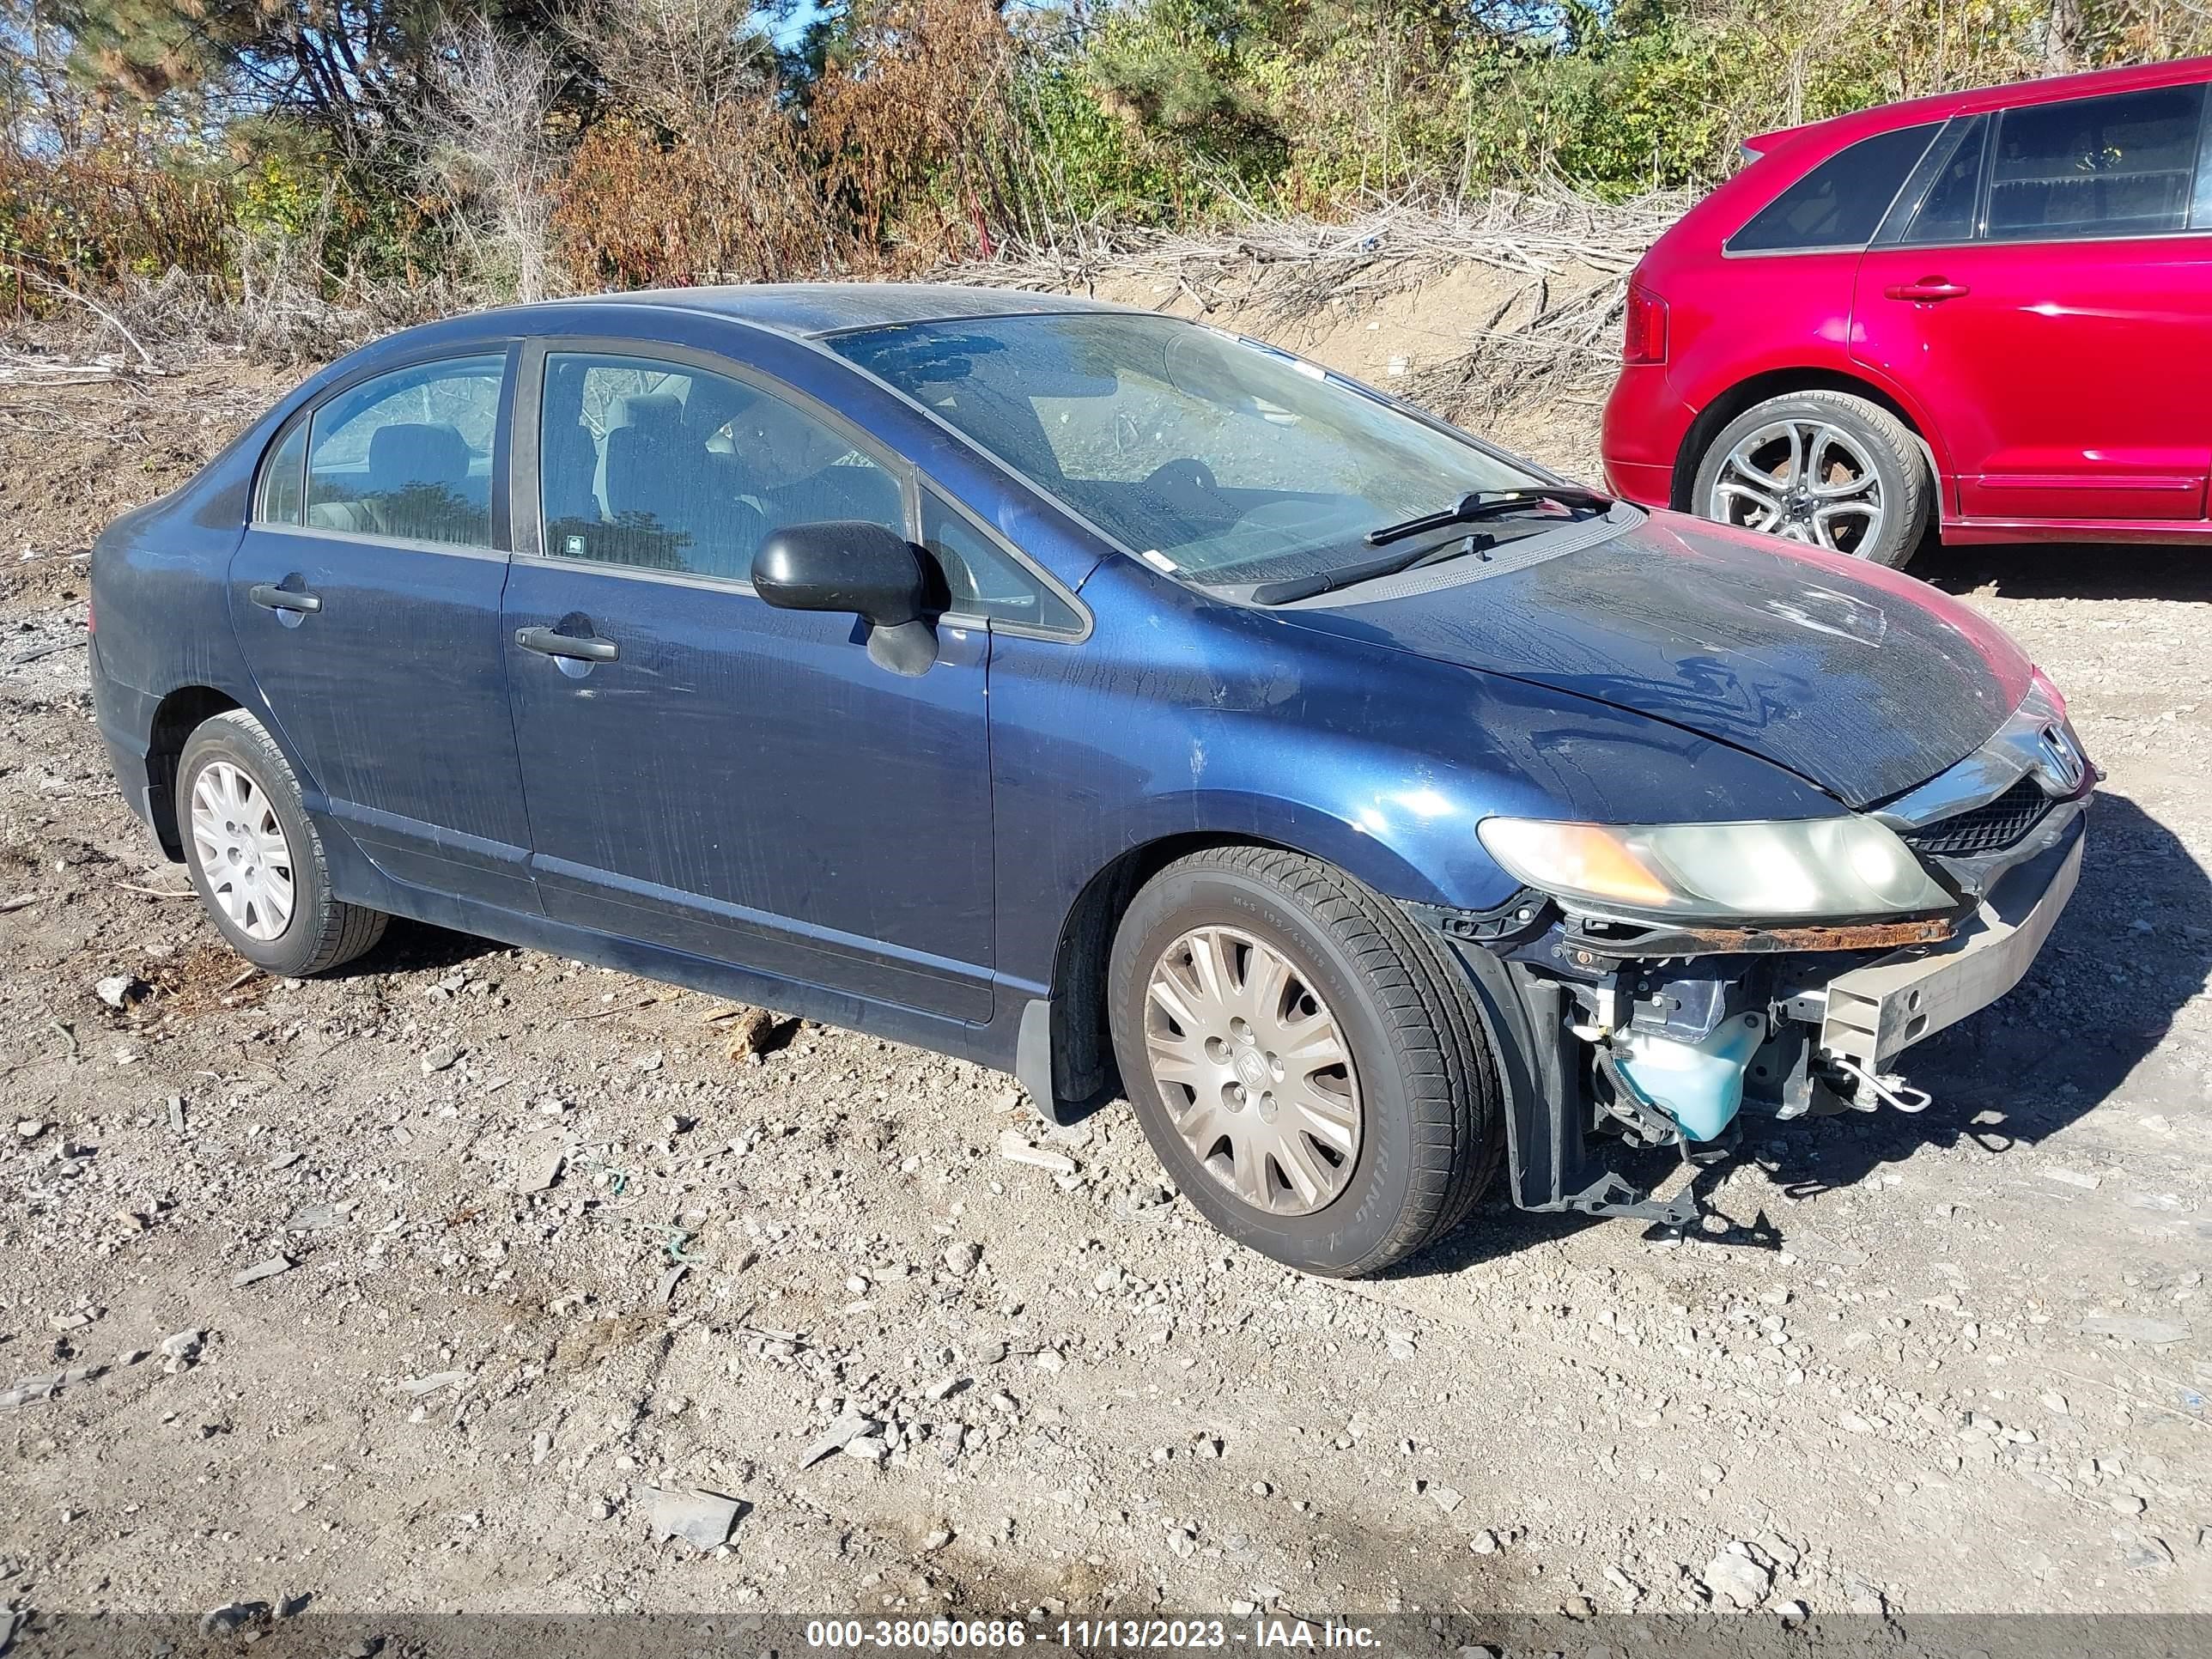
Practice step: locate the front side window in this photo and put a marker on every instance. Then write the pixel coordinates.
(662, 466)
(408, 454)
(982, 579)
(2096, 167)
(1211, 453)
(1838, 203)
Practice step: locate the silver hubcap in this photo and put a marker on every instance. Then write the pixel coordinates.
(1806, 480)
(240, 846)
(1253, 1071)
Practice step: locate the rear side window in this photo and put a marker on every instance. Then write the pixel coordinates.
(662, 466)
(2095, 166)
(1838, 203)
(408, 454)
(283, 499)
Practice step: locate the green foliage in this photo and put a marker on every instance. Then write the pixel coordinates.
(1078, 164)
(1627, 112)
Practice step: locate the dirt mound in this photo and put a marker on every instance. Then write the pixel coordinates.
(75, 457)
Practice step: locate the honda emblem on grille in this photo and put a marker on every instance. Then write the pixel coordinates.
(2060, 761)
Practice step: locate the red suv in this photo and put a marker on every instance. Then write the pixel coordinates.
(1992, 309)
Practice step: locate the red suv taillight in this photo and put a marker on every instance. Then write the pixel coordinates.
(1644, 339)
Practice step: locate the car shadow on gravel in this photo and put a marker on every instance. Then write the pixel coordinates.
(416, 946)
(2106, 570)
(2134, 946)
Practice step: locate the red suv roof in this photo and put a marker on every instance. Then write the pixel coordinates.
(1839, 129)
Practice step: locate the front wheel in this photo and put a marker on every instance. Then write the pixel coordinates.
(1309, 1068)
(254, 857)
(1822, 467)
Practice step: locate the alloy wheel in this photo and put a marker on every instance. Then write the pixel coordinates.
(243, 854)
(1806, 480)
(1255, 1073)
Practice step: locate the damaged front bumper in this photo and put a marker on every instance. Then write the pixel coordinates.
(1615, 1037)
(1871, 1014)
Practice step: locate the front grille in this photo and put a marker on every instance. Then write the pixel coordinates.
(1989, 827)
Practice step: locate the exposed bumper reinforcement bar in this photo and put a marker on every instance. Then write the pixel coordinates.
(1876, 1012)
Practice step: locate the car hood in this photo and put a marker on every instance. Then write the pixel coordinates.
(1860, 679)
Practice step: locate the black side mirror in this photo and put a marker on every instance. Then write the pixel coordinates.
(852, 565)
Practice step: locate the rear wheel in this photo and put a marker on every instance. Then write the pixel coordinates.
(1822, 467)
(254, 857)
(1309, 1067)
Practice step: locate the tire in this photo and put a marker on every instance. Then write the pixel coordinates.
(1872, 441)
(318, 932)
(1419, 1077)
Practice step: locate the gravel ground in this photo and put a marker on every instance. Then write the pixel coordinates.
(443, 1283)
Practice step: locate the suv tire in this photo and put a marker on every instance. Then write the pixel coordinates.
(254, 857)
(1369, 1130)
(1867, 458)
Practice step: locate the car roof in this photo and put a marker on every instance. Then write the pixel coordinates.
(1840, 130)
(809, 310)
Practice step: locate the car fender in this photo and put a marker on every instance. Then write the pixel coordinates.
(163, 627)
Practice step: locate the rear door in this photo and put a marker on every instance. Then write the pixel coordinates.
(2047, 296)
(365, 599)
(704, 772)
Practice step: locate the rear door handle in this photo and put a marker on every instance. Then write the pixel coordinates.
(581, 648)
(269, 596)
(1927, 288)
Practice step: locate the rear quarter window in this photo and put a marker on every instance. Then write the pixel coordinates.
(1840, 203)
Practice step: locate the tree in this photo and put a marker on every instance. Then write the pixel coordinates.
(484, 141)
(2061, 36)
(356, 68)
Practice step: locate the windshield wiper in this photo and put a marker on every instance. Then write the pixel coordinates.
(1290, 589)
(1487, 504)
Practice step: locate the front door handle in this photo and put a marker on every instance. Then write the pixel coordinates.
(269, 596)
(580, 648)
(1926, 289)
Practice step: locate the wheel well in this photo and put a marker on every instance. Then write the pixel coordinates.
(1082, 1044)
(180, 715)
(1776, 383)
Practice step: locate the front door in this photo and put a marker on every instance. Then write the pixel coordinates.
(365, 599)
(706, 773)
(2051, 304)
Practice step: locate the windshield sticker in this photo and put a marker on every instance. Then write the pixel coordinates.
(1159, 560)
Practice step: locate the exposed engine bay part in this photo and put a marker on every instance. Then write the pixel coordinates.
(1869, 1092)
(1697, 1086)
(1553, 1115)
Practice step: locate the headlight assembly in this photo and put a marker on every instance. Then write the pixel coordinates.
(1797, 870)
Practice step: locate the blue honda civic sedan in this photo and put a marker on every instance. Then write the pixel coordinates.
(1105, 698)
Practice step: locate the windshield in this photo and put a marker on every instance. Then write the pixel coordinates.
(1232, 461)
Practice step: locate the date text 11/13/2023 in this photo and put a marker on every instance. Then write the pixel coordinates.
(939, 1635)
